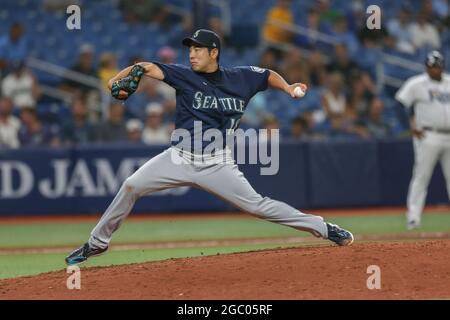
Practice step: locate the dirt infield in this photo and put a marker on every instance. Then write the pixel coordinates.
(418, 269)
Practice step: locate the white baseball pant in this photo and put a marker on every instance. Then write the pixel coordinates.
(433, 147)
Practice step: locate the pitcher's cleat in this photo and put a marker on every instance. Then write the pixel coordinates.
(413, 224)
(83, 253)
(338, 235)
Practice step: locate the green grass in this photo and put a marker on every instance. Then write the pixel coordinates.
(74, 234)
(67, 234)
(373, 224)
(29, 264)
(51, 234)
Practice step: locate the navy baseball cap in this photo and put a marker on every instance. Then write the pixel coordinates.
(203, 38)
(18, 65)
(434, 58)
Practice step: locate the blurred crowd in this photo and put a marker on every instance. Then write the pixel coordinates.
(348, 103)
(147, 117)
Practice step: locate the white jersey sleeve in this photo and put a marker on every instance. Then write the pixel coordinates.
(406, 95)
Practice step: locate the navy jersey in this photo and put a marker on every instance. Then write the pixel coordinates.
(218, 100)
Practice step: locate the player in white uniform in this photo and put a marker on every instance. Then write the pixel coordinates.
(428, 97)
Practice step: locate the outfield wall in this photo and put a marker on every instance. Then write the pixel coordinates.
(311, 175)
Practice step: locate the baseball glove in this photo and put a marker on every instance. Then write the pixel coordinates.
(128, 84)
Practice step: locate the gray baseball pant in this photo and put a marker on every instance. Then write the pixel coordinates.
(220, 177)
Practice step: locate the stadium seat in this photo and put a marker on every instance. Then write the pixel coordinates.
(103, 25)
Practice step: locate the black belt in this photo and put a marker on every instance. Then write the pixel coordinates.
(444, 131)
(192, 155)
(181, 153)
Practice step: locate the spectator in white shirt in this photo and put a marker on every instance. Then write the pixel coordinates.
(134, 131)
(9, 125)
(425, 33)
(21, 86)
(155, 132)
(333, 97)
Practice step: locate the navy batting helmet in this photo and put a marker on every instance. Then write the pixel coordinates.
(434, 58)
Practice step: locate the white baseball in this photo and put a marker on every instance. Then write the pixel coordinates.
(298, 92)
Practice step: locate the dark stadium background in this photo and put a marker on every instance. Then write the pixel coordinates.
(357, 155)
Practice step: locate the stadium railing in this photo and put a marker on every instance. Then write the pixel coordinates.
(65, 73)
(381, 77)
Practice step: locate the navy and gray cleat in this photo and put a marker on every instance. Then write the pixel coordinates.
(412, 224)
(338, 235)
(83, 253)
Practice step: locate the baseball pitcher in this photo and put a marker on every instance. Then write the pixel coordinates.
(216, 97)
(428, 97)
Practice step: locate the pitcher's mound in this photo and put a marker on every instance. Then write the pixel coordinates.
(408, 270)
